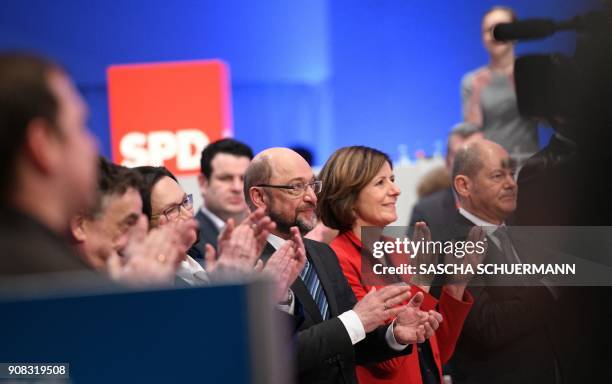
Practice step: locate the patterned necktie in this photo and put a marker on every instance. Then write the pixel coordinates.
(312, 282)
(506, 245)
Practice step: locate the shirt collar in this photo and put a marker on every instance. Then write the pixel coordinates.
(220, 224)
(276, 241)
(489, 228)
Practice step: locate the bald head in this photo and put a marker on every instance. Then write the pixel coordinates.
(277, 160)
(460, 135)
(275, 180)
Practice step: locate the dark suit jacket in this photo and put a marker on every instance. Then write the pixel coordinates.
(29, 247)
(435, 209)
(208, 235)
(325, 353)
(34, 260)
(506, 337)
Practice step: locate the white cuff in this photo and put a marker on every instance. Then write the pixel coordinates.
(390, 337)
(290, 308)
(353, 325)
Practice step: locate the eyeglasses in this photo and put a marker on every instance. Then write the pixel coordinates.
(297, 189)
(172, 213)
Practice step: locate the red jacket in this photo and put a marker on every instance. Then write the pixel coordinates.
(404, 369)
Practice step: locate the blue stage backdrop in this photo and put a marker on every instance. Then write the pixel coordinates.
(321, 73)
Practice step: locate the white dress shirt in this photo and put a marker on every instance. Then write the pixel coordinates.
(220, 224)
(489, 229)
(191, 271)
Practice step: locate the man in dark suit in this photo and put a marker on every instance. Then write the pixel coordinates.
(506, 337)
(222, 166)
(436, 208)
(47, 166)
(334, 332)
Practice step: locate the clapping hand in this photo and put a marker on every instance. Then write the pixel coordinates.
(380, 305)
(423, 257)
(413, 325)
(286, 264)
(149, 258)
(241, 245)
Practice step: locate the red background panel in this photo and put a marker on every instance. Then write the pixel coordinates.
(148, 98)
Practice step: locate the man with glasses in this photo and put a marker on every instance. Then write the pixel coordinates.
(334, 332)
(165, 203)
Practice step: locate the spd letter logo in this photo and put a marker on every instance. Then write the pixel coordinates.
(166, 113)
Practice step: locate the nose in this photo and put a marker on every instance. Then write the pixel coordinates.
(510, 182)
(395, 190)
(237, 184)
(310, 195)
(121, 242)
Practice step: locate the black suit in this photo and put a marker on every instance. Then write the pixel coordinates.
(208, 235)
(34, 260)
(325, 353)
(506, 337)
(29, 247)
(435, 209)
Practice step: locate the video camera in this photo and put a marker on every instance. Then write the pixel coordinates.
(551, 86)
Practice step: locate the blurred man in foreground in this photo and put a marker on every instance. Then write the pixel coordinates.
(47, 166)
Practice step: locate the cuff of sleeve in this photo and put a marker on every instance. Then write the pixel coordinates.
(288, 308)
(353, 325)
(390, 337)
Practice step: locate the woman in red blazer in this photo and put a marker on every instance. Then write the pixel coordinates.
(359, 190)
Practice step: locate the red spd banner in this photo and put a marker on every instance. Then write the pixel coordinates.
(166, 113)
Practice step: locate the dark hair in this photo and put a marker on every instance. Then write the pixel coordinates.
(258, 172)
(229, 146)
(344, 175)
(25, 95)
(510, 11)
(114, 179)
(150, 177)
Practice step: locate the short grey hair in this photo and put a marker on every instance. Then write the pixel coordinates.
(258, 172)
(468, 161)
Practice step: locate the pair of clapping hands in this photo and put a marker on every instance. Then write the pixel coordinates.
(422, 233)
(153, 257)
(241, 245)
(410, 323)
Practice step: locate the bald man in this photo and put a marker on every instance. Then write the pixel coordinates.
(334, 332)
(505, 338)
(437, 207)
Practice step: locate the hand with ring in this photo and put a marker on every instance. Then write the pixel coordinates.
(379, 305)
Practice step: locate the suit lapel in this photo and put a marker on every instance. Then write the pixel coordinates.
(208, 229)
(299, 290)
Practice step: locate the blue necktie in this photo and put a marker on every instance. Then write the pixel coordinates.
(312, 282)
